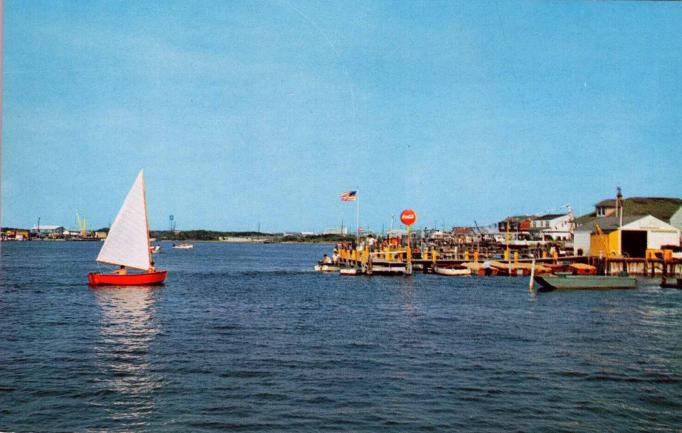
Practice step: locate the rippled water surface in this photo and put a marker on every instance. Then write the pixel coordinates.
(247, 338)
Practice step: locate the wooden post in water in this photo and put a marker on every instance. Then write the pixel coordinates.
(408, 267)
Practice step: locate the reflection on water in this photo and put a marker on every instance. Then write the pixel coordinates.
(407, 292)
(127, 329)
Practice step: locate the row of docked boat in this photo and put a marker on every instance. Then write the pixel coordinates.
(489, 268)
(375, 269)
(582, 278)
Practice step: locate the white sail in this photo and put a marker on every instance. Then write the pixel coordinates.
(127, 243)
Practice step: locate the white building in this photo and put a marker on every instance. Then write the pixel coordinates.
(554, 226)
(47, 229)
(638, 234)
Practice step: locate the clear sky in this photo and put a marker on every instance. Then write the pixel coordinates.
(243, 112)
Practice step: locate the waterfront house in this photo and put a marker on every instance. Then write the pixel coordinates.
(554, 227)
(602, 237)
(464, 235)
(662, 208)
(518, 223)
(550, 221)
(605, 208)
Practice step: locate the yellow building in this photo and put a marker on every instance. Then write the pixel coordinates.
(604, 237)
(605, 244)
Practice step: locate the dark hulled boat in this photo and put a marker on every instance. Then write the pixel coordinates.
(584, 282)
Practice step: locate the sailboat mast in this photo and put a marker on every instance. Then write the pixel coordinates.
(146, 217)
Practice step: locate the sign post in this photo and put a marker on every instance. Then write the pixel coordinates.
(408, 217)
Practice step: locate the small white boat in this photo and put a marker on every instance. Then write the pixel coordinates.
(183, 246)
(452, 271)
(387, 269)
(154, 249)
(348, 271)
(327, 268)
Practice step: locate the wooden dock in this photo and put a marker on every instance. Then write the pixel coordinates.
(367, 262)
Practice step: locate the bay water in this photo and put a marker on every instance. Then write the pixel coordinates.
(248, 338)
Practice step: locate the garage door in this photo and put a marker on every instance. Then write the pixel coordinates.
(634, 243)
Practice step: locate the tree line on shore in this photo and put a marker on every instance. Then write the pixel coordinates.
(209, 235)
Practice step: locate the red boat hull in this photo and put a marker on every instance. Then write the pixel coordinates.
(146, 279)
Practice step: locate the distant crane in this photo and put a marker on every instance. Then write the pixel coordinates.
(478, 229)
(82, 224)
(478, 238)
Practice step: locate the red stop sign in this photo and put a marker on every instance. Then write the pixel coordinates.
(408, 217)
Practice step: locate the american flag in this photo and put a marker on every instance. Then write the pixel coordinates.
(349, 196)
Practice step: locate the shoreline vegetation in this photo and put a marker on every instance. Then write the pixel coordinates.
(196, 236)
(247, 237)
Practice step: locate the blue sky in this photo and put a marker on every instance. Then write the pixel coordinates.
(246, 112)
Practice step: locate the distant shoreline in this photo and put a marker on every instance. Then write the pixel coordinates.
(214, 241)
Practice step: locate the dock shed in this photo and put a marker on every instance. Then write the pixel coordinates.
(604, 237)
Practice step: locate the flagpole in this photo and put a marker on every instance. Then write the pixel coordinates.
(357, 216)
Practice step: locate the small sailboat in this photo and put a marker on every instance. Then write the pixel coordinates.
(127, 244)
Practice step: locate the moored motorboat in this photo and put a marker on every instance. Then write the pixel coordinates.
(514, 269)
(582, 269)
(481, 269)
(452, 270)
(387, 268)
(348, 271)
(127, 244)
(326, 267)
(183, 246)
(584, 282)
